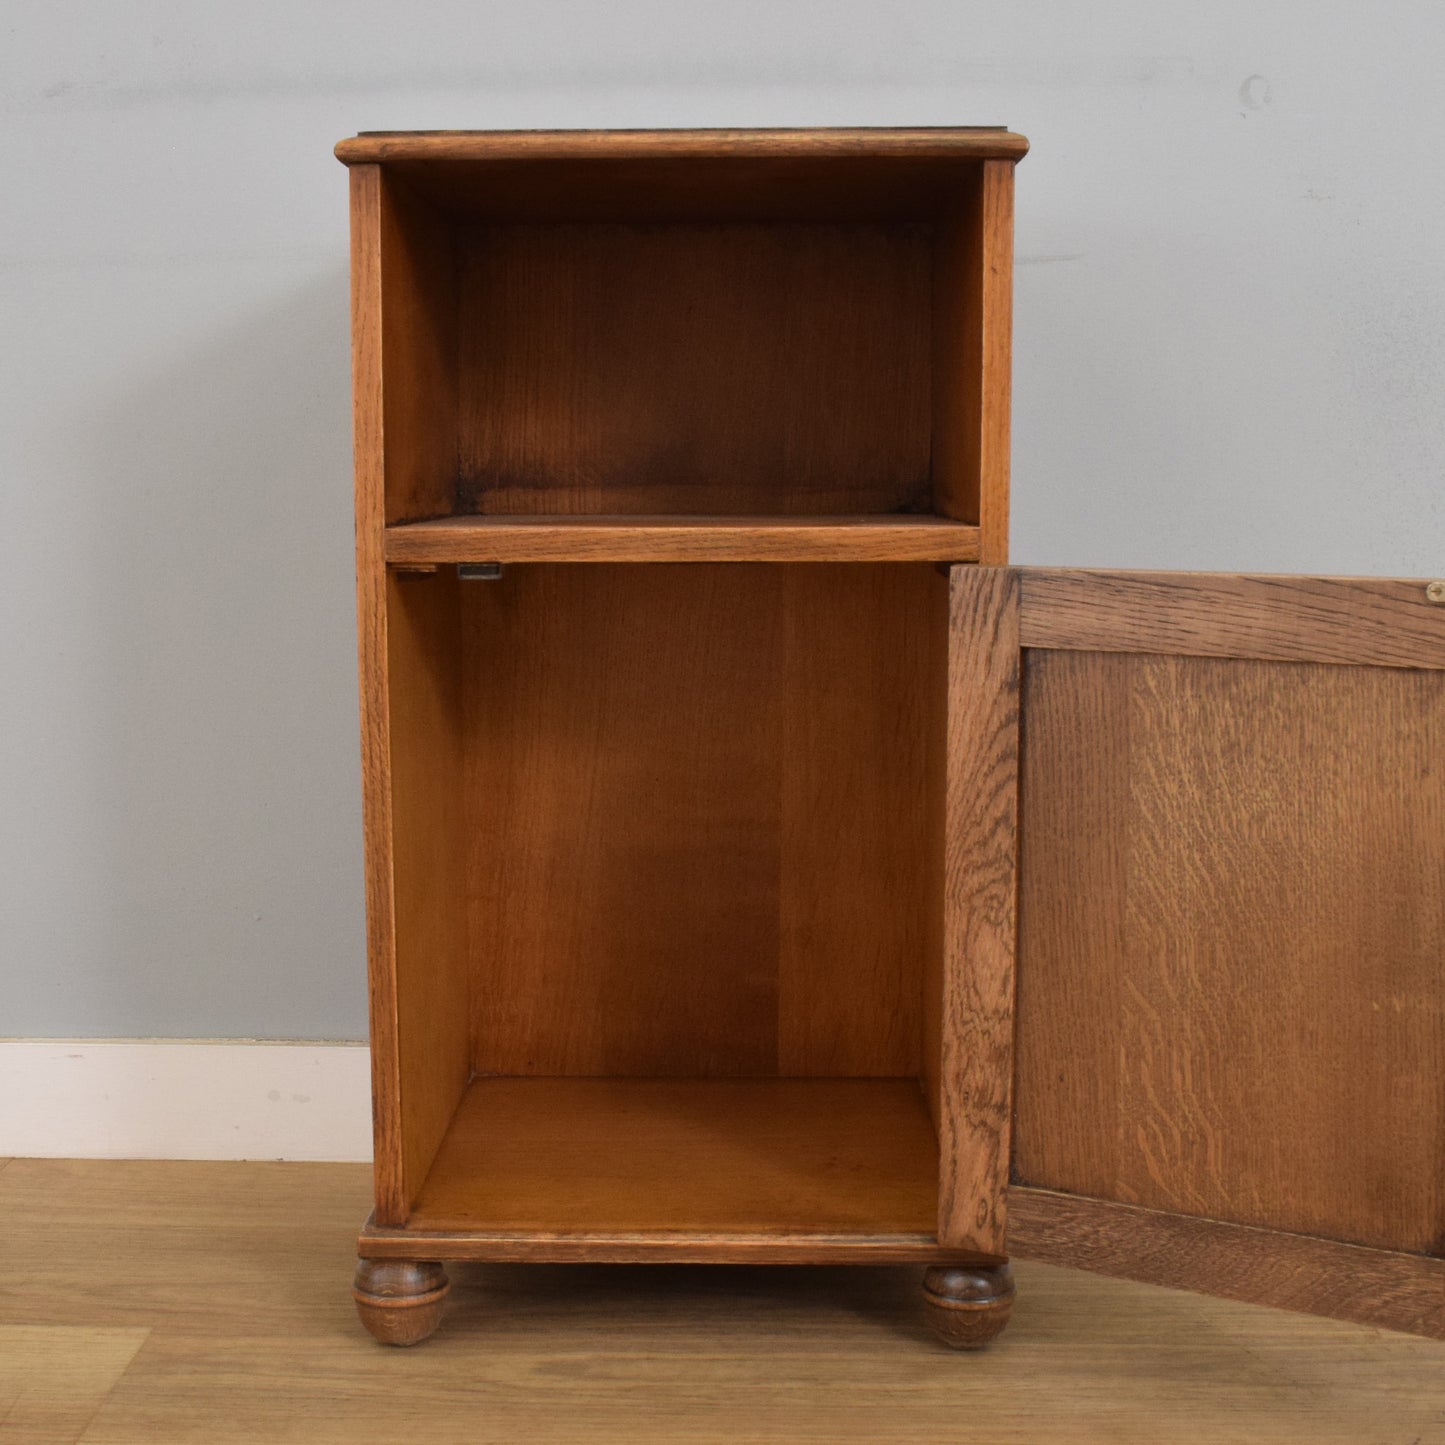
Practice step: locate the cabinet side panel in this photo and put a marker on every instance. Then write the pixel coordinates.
(1230, 991)
(372, 650)
(973, 358)
(407, 717)
(418, 330)
(429, 847)
(976, 1017)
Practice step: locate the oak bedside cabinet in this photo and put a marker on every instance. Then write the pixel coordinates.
(758, 868)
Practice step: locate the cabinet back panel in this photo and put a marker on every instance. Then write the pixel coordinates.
(697, 799)
(706, 369)
(1232, 922)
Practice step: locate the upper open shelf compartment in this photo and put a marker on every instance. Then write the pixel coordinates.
(638, 346)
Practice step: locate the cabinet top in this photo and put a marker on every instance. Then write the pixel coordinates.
(914, 142)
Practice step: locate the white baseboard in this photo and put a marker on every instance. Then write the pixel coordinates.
(183, 1099)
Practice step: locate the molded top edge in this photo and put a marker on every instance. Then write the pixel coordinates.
(933, 142)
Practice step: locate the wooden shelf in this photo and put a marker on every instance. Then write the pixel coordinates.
(682, 539)
(731, 1157)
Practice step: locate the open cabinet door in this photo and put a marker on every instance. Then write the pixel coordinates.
(1230, 1046)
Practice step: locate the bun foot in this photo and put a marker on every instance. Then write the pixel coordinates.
(399, 1301)
(968, 1305)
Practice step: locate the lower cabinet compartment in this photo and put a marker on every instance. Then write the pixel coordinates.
(667, 879)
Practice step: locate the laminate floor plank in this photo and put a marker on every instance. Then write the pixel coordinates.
(53, 1378)
(214, 1300)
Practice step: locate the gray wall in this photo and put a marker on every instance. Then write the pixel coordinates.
(1231, 354)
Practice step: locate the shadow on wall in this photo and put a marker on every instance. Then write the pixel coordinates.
(223, 579)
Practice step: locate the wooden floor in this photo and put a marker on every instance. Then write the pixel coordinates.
(151, 1303)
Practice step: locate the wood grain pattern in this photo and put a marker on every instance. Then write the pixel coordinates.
(967, 1308)
(53, 1378)
(625, 776)
(854, 679)
(670, 176)
(417, 303)
(973, 357)
(1380, 621)
(371, 584)
(682, 539)
(671, 190)
(976, 1015)
(1230, 999)
(400, 1302)
(238, 1286)
(1261, 1266)
(1074, 863)
(755, 1156)
(649, 753)
(410, 722)
(799, 1246)
(973, 142)
(733, 370)
(995, 354)
(934, 819)
(429, 830)
(649, 821)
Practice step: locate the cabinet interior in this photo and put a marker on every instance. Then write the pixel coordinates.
(667, 882)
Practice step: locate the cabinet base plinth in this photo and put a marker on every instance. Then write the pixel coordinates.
(399, 1301)
(968, 1305)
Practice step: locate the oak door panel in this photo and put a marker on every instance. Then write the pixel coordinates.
(1231, 1002)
